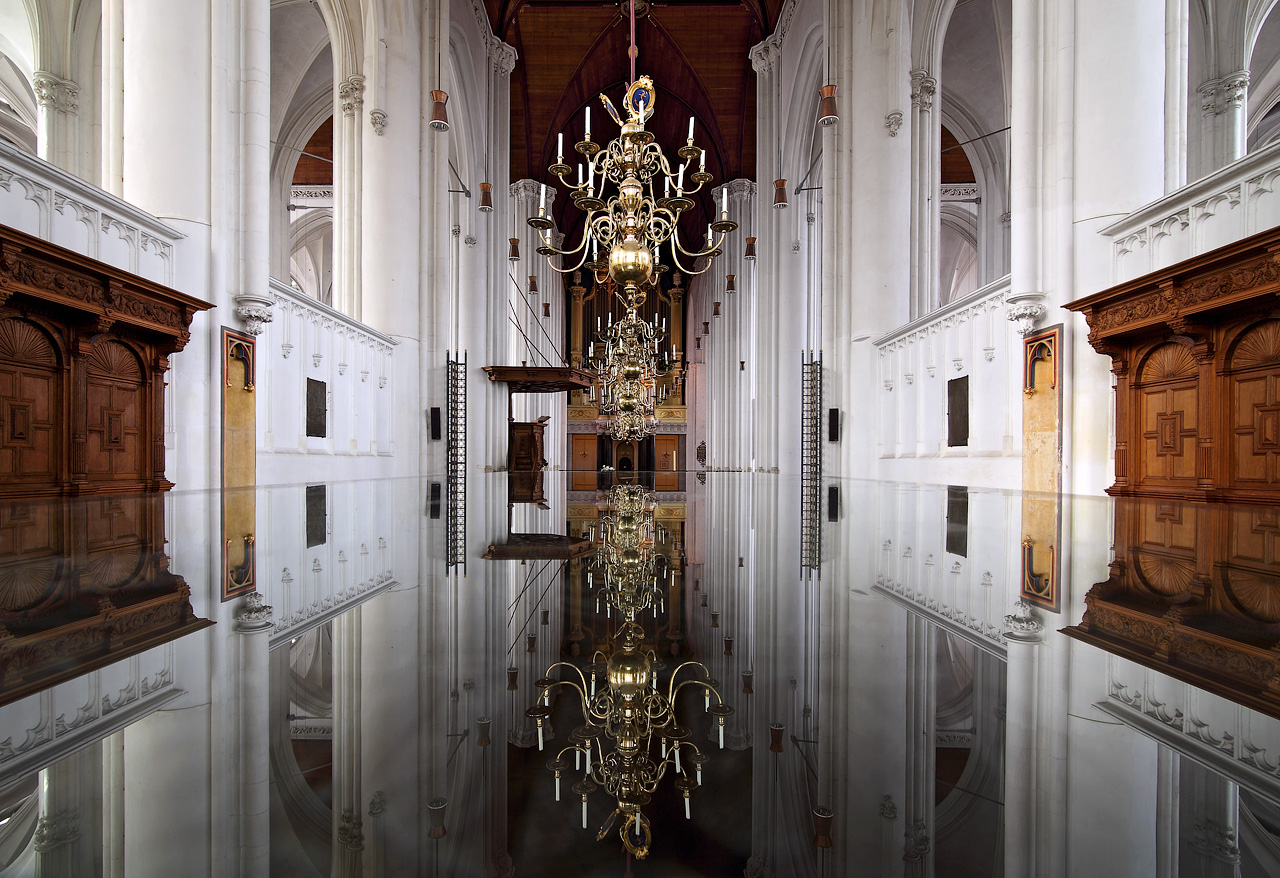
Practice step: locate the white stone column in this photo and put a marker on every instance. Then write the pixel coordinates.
(254, 625)
(1022, 638)
(866, 217)
(253, 299)
(58, 103)
(348, 149)
(926, 136)
(112, 96)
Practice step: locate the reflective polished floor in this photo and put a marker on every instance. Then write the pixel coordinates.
(853, 678)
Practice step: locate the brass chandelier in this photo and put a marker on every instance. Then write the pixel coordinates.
(627, 366)
(631, 736)
(627, 223)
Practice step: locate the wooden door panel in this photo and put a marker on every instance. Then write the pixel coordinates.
(1168, 433)
(28, 398)
(584, 462)
(666, 458)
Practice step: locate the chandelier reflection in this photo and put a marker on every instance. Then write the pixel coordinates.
(627, 223)
(635, 727)
(628, 561)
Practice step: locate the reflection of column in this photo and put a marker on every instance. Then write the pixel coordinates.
(575, 603)
(577, 290)
(113, 807)
(1168, 783)
(348, 834)
(254, 624)
(68, 838)
(1022, 636)
(1209, 823)
(922, 666)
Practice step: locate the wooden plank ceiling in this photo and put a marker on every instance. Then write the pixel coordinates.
(572, 50)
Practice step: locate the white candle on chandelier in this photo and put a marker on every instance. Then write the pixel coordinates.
(637, 825)
(724, 202)
(686, 807)
(560, 146)
(542, 204)
(709, 238)
(691, 129)
(666, 187)
(584, 812)
(591, 174)
(579, 175)
(588, 128)
(677, 758)
(680, 178)
(557, 786)
(722, 734)
(702, 161)
(539, 736)
(588, 757)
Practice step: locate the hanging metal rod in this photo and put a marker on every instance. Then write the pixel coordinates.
(979, 137)
(464, 190)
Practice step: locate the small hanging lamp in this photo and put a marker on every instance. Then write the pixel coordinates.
(780, 194)
(514, 255)
(730, 283)
(533, 283)
(827, 106)
(486, 197)
(439, 115)
(483, 725)
(750, 252)
(715, 309)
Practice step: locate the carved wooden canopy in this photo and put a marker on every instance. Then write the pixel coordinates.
(83, 353)
(1195, 349)
(95, 295)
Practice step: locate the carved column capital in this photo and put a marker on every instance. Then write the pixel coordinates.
(351, 830)
(1022, 623)
(1215, 841)
(888, 810)
(55, 93)
(255, 311)
(1234, 89)
(57, 829)
(923, 88)
(503, 57)
(1026, 314)
(378, 119)
(915, 841)
(351, 94)
(255, 616)
(893, 121)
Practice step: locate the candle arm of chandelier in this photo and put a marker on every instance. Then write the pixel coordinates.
(677, 249)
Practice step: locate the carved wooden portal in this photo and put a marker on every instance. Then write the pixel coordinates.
(83, 351)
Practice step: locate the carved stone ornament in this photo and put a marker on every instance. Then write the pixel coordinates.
(1026, 315)
(1215, 841)
(55, 830)
(757, 867)
(888, 810)
(1234, 90)
(256, 616)
(893, 122)
(1022, 623)
(254, 311)
(378, 119)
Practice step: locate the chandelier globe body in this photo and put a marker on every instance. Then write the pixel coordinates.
(630, 738)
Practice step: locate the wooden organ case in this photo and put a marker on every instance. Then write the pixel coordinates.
(1194, 590)
(84, 349)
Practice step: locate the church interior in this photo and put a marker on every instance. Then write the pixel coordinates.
(640, 437)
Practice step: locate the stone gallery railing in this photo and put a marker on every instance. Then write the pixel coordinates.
(44, 201)
(1238, 201)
